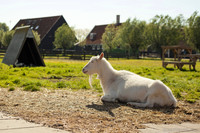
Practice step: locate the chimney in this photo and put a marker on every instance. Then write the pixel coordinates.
(117, 20)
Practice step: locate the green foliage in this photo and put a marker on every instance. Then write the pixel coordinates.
(7, 37)
(193, 30)
(11, 89)
(132, 34)
(4, 27)
(37, 36)
(64, 37)
(31, 88)
(108, 38)
(163, 30)
(61, 85)
(1, 37)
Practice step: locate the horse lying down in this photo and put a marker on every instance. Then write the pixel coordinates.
(125, 86)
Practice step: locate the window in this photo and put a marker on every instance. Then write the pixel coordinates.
(93, 47)
(98, 47)
(92, 36)
(36, 27)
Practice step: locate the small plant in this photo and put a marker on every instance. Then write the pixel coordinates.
(16, 81)
(55, 77)
(11, 89)
(32, 88)
(61, 85)
(191, 100)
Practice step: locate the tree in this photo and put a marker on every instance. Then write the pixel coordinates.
(1, 37)
(163, 30)
(193, 30)
(81, 34)
(108, 38)
(37, 36)
(132, 34)
(64, 37)
(4, 27)
(7, 37)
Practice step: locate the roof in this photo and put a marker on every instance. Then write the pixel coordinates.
(23, 49)
(98, 30)
(181, 45)
(41, 25)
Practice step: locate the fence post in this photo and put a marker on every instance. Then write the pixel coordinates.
(84, 55)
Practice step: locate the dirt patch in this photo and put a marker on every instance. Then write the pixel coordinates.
(82, 111)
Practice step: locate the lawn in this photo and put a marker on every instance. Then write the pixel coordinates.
(66, 74)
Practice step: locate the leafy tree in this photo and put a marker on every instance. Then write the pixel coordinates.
(4, 27)
(108, 38)
(1, 37)
(163, 30)
(193, 30)
(64, 37)
(7, 37)
(132, 35)
(81, 34)
(37, 36)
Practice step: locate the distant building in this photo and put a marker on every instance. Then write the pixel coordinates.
(93, 40)
(46, 27)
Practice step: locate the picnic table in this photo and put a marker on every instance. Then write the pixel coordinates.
(180, 63)
(178, 57)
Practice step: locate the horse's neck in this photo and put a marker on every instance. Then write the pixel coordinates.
(106, 74)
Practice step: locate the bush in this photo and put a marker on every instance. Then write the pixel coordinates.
(11, 89)
(32, 88)
(61, 85)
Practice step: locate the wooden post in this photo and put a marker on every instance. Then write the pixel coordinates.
(84, 55)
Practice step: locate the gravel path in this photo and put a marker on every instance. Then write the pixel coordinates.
(82, 111)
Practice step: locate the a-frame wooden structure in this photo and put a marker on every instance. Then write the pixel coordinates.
(23, 49)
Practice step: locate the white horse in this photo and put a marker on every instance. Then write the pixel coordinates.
(128, 87)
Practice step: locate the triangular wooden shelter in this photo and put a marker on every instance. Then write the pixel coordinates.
(23, 49)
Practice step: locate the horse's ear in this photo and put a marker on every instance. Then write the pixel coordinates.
(101, 56)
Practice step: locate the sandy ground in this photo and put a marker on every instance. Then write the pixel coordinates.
(82, 111)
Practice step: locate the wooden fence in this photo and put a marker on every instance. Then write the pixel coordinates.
(80, 55)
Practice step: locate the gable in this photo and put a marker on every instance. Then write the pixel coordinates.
(98, 31)
(41, 25)
(23, 49)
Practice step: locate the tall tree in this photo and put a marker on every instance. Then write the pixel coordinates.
(4, 27)
(1, 38)
(7, 37)
(163, 30)
(64, 37)
(132, 34)
(81, 34)
(37, 37)
(108, 38)
(193, 30)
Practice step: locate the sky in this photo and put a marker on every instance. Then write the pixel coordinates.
(83, 14)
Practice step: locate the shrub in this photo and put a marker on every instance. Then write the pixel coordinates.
(11, 89)
(32, 88)
(16, 81)
(61, 85)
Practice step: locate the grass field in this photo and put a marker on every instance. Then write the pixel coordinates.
(66, 74)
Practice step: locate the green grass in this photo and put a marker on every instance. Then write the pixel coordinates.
(66, 74)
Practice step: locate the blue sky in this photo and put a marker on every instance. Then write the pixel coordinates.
(88, 13)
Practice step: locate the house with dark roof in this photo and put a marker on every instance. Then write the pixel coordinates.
(46, 27)
(93, 40)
